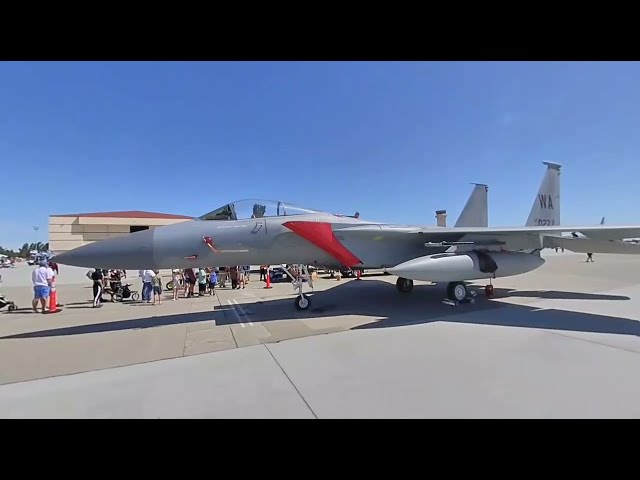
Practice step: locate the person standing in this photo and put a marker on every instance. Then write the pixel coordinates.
(233, 275)
(202, 282)
(223, 274)
(213, 278)
(98, 286)
(189, 282)
(156, 281)
(41, 279)
(54, 266)
(147, 287)
(246, 270)
(53, 270)
(175, 278)
(590, 257)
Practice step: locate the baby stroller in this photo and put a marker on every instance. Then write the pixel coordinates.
(7, 303)
(121, 291)
(11, 306)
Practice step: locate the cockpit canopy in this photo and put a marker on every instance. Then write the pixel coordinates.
(246, 209)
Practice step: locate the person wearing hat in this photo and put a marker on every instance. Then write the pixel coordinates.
(41, 279)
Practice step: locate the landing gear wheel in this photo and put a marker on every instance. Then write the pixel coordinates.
(303, 302)
(11, 308)
(456, 291)
(135, 296)
(404, 285)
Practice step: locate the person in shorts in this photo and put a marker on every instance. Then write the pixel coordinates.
(41, 279)
(176, 278)
(189, 282)
(156, 282)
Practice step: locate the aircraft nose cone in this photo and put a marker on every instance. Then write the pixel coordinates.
(126, 252)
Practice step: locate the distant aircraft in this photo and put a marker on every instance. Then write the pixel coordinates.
(254, 232)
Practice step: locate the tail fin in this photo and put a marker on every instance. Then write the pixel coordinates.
(546, 206)
(476, 212)
(602, 221)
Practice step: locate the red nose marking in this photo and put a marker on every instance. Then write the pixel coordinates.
(209, 242)
(322, 236)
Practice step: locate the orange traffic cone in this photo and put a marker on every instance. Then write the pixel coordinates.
(268, 285)
(358, 274)
(53, 301)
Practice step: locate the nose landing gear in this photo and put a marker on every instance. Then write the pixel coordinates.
(302, 301)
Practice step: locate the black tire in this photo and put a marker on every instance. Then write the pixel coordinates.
(12, 307)
(303, 302)
(169, 285)
(135, 296)
(404, 285)
(456, 291)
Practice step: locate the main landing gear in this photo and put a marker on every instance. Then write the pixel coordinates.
(404, 285)
(456, 291)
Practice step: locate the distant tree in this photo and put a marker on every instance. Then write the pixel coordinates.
(7, 252)
(25, 249)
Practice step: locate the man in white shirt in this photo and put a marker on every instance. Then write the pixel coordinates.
(147, 287)
(41, 279)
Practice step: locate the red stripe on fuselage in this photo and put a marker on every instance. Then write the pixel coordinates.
(322, 236)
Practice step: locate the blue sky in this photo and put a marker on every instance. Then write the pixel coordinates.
(393, 140)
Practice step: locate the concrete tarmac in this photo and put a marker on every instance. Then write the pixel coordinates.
(558, 342)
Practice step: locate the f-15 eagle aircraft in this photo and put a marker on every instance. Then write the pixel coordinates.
(256, 232)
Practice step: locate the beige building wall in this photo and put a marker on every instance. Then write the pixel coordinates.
(66, 233)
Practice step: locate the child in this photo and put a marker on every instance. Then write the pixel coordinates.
(213, 278)
(175, 278)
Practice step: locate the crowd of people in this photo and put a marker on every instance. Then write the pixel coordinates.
(183, 281)
(207, 279)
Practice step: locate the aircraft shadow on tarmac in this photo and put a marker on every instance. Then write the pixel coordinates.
(386, 308)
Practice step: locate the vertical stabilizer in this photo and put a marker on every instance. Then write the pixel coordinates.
(546, 206)
(476, 212)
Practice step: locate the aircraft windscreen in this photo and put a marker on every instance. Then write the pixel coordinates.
(246, 209)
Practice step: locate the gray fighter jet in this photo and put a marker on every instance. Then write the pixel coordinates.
(257, 232)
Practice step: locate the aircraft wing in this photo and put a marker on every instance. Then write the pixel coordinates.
(510, 238)
(590, 245)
